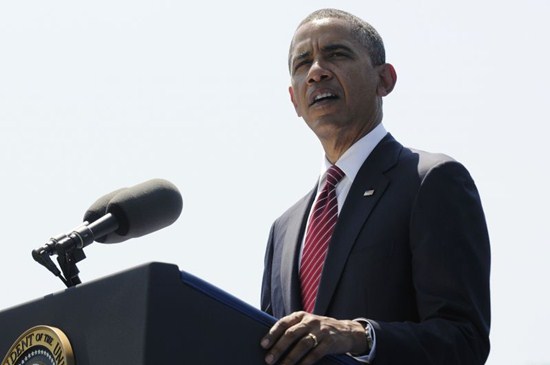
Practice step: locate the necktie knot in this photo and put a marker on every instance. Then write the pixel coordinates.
(334, 175)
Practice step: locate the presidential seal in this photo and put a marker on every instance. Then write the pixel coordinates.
(40, 345)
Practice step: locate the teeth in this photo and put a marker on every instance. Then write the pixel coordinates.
(323, 95)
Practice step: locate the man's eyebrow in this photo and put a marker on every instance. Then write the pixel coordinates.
(300, 56)
(328, 48)
(337, 47)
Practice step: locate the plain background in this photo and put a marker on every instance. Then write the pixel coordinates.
(99, 95)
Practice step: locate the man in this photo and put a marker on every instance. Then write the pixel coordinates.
(388, 258)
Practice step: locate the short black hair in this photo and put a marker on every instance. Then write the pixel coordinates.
(363, 32)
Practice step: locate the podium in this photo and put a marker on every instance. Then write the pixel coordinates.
(150, 315)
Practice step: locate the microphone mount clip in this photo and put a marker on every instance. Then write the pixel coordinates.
(69, 250)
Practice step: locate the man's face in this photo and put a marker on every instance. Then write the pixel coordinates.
(334, 86)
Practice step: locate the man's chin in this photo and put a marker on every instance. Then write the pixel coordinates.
(326, 125)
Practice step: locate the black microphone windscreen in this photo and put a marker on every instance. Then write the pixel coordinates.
(99, 208)
(142, 209)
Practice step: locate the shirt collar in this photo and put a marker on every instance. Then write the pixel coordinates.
(352, 160)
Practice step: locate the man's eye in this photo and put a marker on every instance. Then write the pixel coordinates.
(338, 54)
(300, 64)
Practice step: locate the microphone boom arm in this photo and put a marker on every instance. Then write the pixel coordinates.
(69, 248)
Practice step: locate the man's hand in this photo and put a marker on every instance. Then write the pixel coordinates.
(304, 338)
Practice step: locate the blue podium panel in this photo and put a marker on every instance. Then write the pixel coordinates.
(150, 315)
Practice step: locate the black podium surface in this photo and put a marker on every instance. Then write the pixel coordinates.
(150, 315)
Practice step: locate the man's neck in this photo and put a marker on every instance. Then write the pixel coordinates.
(337, 145)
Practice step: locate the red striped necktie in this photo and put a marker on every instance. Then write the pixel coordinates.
(321, 225)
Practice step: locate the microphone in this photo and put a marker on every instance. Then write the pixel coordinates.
(115, 217)
(137, 211)
(99, 207)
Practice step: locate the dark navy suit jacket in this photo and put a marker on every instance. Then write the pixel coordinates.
(413, 258)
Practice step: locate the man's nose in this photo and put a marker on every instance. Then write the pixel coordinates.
(318, 72)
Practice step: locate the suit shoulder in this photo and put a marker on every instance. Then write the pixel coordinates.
(427, 162)
(391, 154)
(425, 158)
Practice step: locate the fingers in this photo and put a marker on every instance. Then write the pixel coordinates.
(314, 338)
(295, 339)
(296, 353)
(289, 333)
(303, 338)
(289, 338)
(307, 351)
(280, 328)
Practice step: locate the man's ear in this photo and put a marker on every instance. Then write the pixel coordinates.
(388, 78)
(293, 99)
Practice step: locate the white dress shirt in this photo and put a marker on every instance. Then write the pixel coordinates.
(350, 163)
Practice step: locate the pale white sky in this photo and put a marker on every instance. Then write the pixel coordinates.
(99, 95)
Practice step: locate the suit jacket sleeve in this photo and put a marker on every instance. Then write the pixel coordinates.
(450, 273)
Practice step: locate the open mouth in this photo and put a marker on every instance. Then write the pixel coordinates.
(323, 97)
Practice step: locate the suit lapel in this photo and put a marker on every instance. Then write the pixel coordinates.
(294, 234)
(367, 189)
